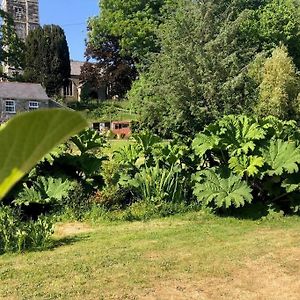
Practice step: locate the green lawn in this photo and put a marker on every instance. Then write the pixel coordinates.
(188, 257)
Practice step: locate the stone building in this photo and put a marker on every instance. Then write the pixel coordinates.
(25, 14)
(77, 90)
(17, 97)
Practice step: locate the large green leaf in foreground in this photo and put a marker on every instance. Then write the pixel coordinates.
(25, 139)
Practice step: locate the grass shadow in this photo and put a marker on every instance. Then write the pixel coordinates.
(254, 211)
(67, 241)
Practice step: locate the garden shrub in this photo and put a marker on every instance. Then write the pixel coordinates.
(245, 159)
(28, 150)
(17, 235)
(65, 178)
(156, 184)
(45, 190)
(77, 203)
(110, 196)
(152, 170)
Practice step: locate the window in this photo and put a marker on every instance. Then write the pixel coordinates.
(121, 125)
(68, 89)
(10, 106)
(33, 105)
(18, 12)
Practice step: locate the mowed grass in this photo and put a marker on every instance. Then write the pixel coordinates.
(194, 256)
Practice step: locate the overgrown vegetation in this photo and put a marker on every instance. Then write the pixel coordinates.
(215, 59)
(19, 235)
(236, 162)
(219, 79)
(21, 229)
(245, 159)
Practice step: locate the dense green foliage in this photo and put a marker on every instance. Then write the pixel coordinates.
(18, 235)
(19, 152)
(47, 59)
(235, 162)
(106, 111)
(64, 179)
(133, 23)
(219, 78)
(212, 55)
(121, 39)
(244, 159)
(279, 88)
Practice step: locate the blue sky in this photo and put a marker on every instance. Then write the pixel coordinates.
(71, 15)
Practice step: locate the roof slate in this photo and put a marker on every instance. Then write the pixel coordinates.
(22, 91)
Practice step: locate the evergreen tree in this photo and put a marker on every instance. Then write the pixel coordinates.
(47, 59)
(279, 88)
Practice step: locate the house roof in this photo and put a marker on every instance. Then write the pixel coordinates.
(76, 67)
(22, 91)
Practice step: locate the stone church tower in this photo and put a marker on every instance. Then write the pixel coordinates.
(25, 14)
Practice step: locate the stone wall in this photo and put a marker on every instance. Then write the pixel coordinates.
(21, 106)
(81, 91)
(25, 14)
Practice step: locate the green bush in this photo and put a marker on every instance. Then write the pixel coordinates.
(77, 203)
(28, 150)
(17, 235)
(65, 178)
(153, 170)
(245, 159)
(45, 190)
(156, 184)
(110, 196)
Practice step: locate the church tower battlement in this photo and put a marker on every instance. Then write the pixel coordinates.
(25, 14)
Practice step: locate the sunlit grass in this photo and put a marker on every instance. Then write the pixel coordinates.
(184, 257)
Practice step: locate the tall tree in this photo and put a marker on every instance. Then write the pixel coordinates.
(279, 89)
(11, 47)
(109, 67)
(278, 21)
(133, 22)
(47, 58)
(204, 67)
(121, 40)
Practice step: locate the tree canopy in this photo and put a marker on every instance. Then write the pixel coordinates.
(205, 67)
(133, 22)
(47, 58)
(108, 67)
(279, 88)
(121, 40)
